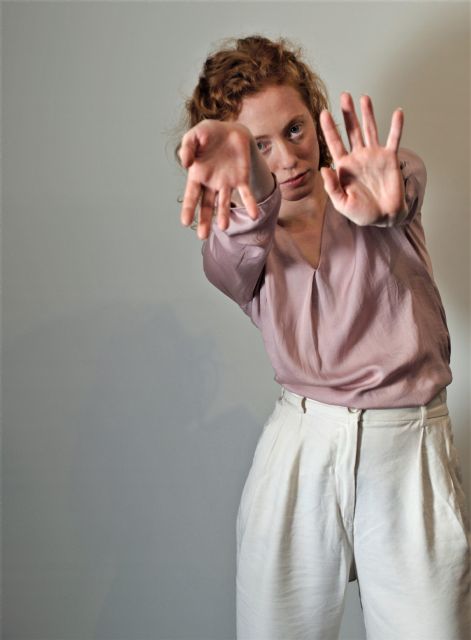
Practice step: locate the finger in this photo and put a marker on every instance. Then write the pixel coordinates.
(249, 201)
(395, 132)
(369, 122)
(224, 201)
(206, 212)
(332, 136)
(352, 125)
(332, 186)
(190, 201)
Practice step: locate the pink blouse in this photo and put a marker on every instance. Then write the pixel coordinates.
(367, 328)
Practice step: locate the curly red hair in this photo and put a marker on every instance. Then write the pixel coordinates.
(245, 66)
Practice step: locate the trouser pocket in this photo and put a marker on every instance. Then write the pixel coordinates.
(445, 470)
(257, 473)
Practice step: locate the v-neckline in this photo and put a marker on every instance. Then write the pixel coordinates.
(298, 250)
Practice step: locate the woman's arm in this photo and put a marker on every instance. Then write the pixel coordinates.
(260, 180)
(234, 259)
(224, 163)
(414, 175)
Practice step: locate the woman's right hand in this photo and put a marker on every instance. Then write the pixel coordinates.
(218, 158)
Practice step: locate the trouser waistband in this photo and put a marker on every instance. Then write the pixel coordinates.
(435, 408)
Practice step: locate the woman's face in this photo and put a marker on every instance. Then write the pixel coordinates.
(286, 136)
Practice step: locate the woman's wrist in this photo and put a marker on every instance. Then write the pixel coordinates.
(262, 182)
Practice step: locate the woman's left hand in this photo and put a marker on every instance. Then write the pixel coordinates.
(367, 184)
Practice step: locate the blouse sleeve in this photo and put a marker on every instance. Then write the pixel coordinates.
(415, 179)
(234, 259)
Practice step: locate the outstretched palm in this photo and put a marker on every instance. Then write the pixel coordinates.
(366, 185)
(217, 156)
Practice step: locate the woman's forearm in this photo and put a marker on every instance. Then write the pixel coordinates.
(261, 179)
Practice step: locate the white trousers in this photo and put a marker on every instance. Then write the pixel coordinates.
(337, 494)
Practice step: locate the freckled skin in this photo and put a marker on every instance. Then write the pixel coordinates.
(221, 157)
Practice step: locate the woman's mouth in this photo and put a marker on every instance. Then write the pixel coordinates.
(296, 181)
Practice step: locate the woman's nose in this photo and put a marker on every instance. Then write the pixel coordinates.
(286, 156)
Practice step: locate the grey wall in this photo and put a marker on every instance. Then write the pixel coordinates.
(133, 391)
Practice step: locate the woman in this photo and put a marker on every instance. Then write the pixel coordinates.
(355, 474)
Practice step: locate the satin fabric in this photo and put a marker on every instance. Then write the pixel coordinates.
(367, 328)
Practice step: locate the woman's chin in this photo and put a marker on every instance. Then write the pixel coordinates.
(293, 195)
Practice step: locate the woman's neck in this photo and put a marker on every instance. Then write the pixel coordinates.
(300, 214)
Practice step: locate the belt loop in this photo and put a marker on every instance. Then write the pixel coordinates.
(423, 415)
(303, 404)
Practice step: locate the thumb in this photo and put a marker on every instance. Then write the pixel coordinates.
(192, 143)
(187, 152)
(332, 185)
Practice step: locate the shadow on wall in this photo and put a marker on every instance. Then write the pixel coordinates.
(116, 456)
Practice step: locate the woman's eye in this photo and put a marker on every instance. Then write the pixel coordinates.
(262, 146)
(295, 129)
